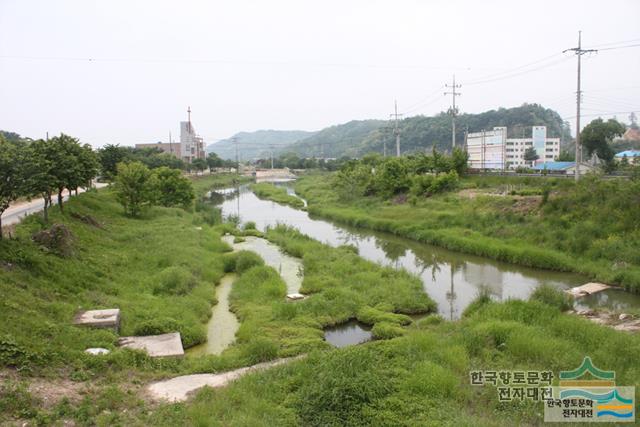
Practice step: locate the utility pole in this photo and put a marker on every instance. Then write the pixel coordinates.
(453, 110)
(396, 130)
(579, 52)
(170, 145)
(235, 141)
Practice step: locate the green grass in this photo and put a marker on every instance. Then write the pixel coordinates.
(160, 270)
(420, 377)
(592, 229)
(269, 191)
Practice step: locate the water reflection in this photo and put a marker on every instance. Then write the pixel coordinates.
(452, 279)
(348, 333)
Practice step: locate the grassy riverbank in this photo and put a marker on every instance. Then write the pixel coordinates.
(277, 194)
(160, 270)
(592, 228)
(421, 378)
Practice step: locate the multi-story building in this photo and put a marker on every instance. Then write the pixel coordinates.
(493, 150)
(165, 147)
(190, 147)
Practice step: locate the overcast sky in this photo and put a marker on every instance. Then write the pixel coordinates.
(283, 64)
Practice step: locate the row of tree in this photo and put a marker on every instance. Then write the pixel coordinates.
(420, 174)
(137, 187)
(110, 155)
(292, 161)
(44, 168)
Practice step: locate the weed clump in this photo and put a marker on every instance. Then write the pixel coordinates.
(174, 281)
(387, 330)
(554, 297)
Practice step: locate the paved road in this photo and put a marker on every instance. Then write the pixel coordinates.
(16, 212)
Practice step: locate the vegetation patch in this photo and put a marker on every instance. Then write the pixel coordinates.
(568, 229)
(269, 191)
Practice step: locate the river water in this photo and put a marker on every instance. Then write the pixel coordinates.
(452, 279)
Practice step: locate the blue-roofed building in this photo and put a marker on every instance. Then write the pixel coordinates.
(568, 168)
(632, 156)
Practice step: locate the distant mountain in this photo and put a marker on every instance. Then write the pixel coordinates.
(253, 145)
(340, 140)
(420, 133)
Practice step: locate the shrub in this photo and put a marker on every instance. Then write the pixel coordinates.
(247, 259)
(341, 386)
(174, 281)
(249, 225)
(432, 380)
(483, 298)
(387, 330)
(428, 185)
(432, 319)
(554, 297)
(370, 316)
(259, 350)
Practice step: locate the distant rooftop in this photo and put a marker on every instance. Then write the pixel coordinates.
(629, 153)
(554, 166)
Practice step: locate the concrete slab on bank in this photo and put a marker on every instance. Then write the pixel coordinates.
(165, 345)
(587, 289)
(109, 318)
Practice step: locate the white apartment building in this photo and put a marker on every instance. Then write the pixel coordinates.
(493, 150)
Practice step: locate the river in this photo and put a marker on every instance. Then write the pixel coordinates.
(452, 279)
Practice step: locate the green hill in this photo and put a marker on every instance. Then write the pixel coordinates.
(340, 140)
(421, 133)
(252, 145)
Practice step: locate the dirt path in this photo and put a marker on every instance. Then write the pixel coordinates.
(178, 389)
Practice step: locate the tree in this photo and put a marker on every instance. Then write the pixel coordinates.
(567, 156)
(531, 155)
(213, 161)
(173, 189)
(64, 153)
(459, 160)
(39, 173)
(199, 165)
(109, 156)
(11, 179)
(87, 169)
(135, 187)
(597, 135)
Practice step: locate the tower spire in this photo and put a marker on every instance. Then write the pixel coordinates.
(189, 119)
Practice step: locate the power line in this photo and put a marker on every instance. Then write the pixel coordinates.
(603, 113)
(501, 73)
(614, 43)
(551, 64)
(620, 47)
(230, 62)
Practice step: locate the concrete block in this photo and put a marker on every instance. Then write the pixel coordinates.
(165, 345)
(294, 297)
(97, 351)
(109, 318)
(587, 289)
